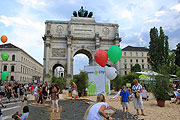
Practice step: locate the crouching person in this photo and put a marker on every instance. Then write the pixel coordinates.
(25, 114)
(96, 111)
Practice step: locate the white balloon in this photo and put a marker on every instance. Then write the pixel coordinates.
(111, 72)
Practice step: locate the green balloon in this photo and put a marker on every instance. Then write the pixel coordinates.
(4, 56)
(4, 75)
(114, 53)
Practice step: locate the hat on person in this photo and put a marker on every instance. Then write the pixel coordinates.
(178, 89)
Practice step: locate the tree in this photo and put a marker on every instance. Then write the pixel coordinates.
(153, 47)
(158, 48)
(136, 68)
(166, 50)
(81, 81)
(118, 82)
(178, 72)
(177, 52)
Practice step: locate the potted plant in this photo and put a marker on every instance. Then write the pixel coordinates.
(160, 89)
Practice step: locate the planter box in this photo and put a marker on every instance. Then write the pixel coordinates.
(161, 103)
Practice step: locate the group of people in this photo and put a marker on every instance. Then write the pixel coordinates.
(97, 111)
(13, 91)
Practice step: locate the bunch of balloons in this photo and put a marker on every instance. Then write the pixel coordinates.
(101, 57)
(4, 56)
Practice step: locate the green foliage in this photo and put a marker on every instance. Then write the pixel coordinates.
(128, 78)
(118, 82)
(177, 61)
(158, 49)
(81, 81)
(160, 87)
(178, 72)
(59, 81)
(136, 68)
(170, 67)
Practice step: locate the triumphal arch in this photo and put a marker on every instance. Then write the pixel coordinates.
(82, 34)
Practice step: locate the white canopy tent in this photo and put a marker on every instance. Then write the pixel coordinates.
(149, 73)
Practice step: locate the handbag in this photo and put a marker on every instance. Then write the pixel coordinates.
(137, 95)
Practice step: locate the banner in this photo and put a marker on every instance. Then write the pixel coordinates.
(98, 82)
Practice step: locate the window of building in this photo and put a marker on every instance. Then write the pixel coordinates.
(12, 68)
(124, 53)
(137, 60)
(125, 66)
(125, 60)
(12, 78)
(125, 72)
(13, 57)
(136, 53)
(131, 53)
(142, 54)
(142, 66)
(142, 60)
(131, 60)
(5, 67)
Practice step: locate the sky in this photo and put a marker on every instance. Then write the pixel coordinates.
(22, 21)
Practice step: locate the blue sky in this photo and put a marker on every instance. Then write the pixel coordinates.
(22, 21)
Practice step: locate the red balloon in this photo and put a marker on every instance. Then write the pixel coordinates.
(4, 38)
(101, 57)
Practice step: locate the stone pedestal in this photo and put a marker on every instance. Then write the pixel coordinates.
(68, 80)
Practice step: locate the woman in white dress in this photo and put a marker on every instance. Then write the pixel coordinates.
(96, 111)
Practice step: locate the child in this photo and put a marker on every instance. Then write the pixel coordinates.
(26, 97)
(25, 114)
(124, 99)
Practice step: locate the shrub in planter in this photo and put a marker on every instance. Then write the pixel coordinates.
(160, 89)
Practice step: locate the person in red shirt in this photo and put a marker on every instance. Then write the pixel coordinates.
(40, 95)
(32, 89)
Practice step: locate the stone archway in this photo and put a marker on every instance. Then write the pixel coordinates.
(64, 39)
(58, 70)
(86, 52)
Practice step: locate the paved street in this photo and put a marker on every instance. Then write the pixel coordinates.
(11, 108)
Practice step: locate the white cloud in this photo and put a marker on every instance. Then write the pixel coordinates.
(33, 3)
(160, 13)
(176, 7)
(152, 20)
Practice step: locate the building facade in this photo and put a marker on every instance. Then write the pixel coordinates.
(131, 56)
(21, 66)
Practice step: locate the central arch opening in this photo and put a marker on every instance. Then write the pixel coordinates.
(80, 59)
(58, 70)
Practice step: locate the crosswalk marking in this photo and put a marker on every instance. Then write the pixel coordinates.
(12, 103)
(10, 108)
(7, 117)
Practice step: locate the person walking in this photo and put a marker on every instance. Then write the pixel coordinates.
(36, 94)
(15, 91)
(74, 86)
(124, 99)
(54, 93)
(2, 93)
(9, 93)
(137, 97)
(96, 111)
(44, 93)
(21, 92)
